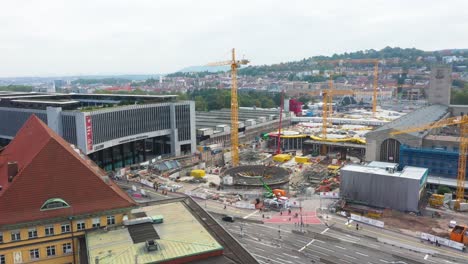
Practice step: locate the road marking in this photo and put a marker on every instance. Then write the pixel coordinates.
(287, 261)
(323, 232)
(323, 242)
(318, 252)
(263, 244)
(412, 242)
(270, 227)
(425, 257)
(362, 254)
(345, 261)
(326, 249)
(350, 256)
(259, 256)
(308, 244)
(259, 249)
(291, 256)
(384, 261)
(373, 245)
(340, 247)
(249, 215)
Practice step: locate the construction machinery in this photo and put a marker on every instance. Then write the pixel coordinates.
(436, 200)
(278, 147)
(461, 121)
(234, 104)
(375, 62)
(459, 234)
(276, 193)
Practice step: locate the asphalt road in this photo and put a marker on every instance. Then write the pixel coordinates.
(285, 244)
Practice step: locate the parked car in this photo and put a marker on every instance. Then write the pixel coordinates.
(228, 218)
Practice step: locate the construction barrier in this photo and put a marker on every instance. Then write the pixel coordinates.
(244, 205)
(147, 183)
(366, 220)
(442, 241)
(197, 195)
(329, 195)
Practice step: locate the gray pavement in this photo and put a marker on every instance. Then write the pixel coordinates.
(271, 243)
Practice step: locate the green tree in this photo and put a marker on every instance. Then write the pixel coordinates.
(16, 88)
(443, 189)
(200, 104)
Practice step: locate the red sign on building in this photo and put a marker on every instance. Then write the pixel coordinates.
(89, 133)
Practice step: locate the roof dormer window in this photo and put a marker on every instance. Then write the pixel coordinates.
(54, 203)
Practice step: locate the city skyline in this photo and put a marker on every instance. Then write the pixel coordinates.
(54, 38)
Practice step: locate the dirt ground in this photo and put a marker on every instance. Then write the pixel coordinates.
(413, 224)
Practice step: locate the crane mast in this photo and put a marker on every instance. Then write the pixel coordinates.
(278, 147)
(234, 104)
(234, 112)
(463, 122)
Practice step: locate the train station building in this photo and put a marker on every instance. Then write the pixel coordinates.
(113, 130)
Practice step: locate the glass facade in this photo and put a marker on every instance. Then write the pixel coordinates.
(132, 152)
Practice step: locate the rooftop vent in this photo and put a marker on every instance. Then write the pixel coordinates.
(151, 245)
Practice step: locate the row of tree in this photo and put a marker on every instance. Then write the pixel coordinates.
(215, 99)
(16, 88)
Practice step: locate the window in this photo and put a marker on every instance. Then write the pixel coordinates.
(15, 235)
(54, 203)
(34, 253)
(32, 233)
(1, 237)
(66, 228)
(110, 220)
(49, 230)
(96, 222)
(67, 248)
(50, 251)
(2, 259)
(80, 225)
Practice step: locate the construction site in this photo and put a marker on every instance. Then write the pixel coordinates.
(380, 164)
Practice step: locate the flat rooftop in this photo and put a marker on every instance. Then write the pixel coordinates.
(74, 101)
(180, 235)
(408, 172)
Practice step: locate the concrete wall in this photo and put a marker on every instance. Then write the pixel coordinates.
(379, 190)
(376, 138)
(440, 85)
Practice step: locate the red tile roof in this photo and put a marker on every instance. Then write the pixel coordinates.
(49, 167)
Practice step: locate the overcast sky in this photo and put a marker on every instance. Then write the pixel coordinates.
(72, 37)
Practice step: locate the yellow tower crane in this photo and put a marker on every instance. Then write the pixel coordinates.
(376, 75)
(462, 121)
(234, 104)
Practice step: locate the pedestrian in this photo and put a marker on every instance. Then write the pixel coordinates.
(357, 226)
(263, 215)
(289, 219)
(289, 211)
(224, 206)
(281, 212)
